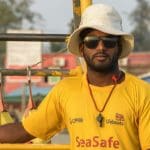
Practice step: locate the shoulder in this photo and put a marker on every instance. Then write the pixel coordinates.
(136, 85)
(137, 90)
(134, 80)
(66, 88)
(69, 83)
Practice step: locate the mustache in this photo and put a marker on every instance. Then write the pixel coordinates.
(100, 54)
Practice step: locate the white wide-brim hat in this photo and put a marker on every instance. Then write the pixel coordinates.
(106, 19)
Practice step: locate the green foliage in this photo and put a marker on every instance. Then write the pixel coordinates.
(2, 53)
(13, 13)
(141, 18)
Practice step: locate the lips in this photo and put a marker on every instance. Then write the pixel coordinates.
(100, 57)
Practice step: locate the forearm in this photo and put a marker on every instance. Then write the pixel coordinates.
(14, 133)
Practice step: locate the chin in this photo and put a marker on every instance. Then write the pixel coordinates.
(103, 68)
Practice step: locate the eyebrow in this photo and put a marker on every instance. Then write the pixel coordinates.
(111, 36)
(108, 36)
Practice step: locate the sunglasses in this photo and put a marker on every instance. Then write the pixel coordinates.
(92, 42)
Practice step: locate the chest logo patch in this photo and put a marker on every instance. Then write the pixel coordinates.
(119, 120)
(76, 120)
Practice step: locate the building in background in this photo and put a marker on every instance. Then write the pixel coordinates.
(17, 93)
(137, 63)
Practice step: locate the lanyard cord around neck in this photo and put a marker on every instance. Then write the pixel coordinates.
(99, 118)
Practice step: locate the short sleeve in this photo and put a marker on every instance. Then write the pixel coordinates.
(46, 120)
(144, 122)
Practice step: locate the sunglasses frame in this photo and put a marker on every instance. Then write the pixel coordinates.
(97, 39)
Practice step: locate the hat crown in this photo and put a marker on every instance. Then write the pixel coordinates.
(103, 18)
(101, 15)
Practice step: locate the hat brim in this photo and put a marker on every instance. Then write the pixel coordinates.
(127, 40)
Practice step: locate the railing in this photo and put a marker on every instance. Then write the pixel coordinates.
(36, 72)
(33, 37)
(33, 147)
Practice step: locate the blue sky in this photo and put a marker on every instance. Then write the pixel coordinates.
(58, 13)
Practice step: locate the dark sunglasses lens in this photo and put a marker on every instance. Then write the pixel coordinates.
(91, 42)
(109, 43)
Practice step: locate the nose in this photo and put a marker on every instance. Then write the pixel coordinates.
(100, 46)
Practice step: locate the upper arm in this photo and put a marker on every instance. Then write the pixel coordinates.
(46, 120)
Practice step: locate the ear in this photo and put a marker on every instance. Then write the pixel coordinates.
(81, 48)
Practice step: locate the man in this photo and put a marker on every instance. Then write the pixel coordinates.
(103, 109)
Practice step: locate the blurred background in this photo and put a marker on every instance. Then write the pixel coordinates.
(56, 17)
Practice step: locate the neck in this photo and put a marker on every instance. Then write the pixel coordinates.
(102, 79)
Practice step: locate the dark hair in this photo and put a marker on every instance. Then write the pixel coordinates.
(83, 33)
(120, 46)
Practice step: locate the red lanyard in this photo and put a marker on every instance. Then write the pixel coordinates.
(100, 117)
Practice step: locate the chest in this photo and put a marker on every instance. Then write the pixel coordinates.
(81, 111)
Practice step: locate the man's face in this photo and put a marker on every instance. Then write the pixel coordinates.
(100, 51)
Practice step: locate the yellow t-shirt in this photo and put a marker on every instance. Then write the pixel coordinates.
(69, 104)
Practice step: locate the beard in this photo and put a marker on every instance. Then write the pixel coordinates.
(108, 65)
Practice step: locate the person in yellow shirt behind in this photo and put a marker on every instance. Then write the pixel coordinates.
(103, 109)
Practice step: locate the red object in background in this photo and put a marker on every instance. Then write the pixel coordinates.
(22, 79)
(67, 61)
(139, 59)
